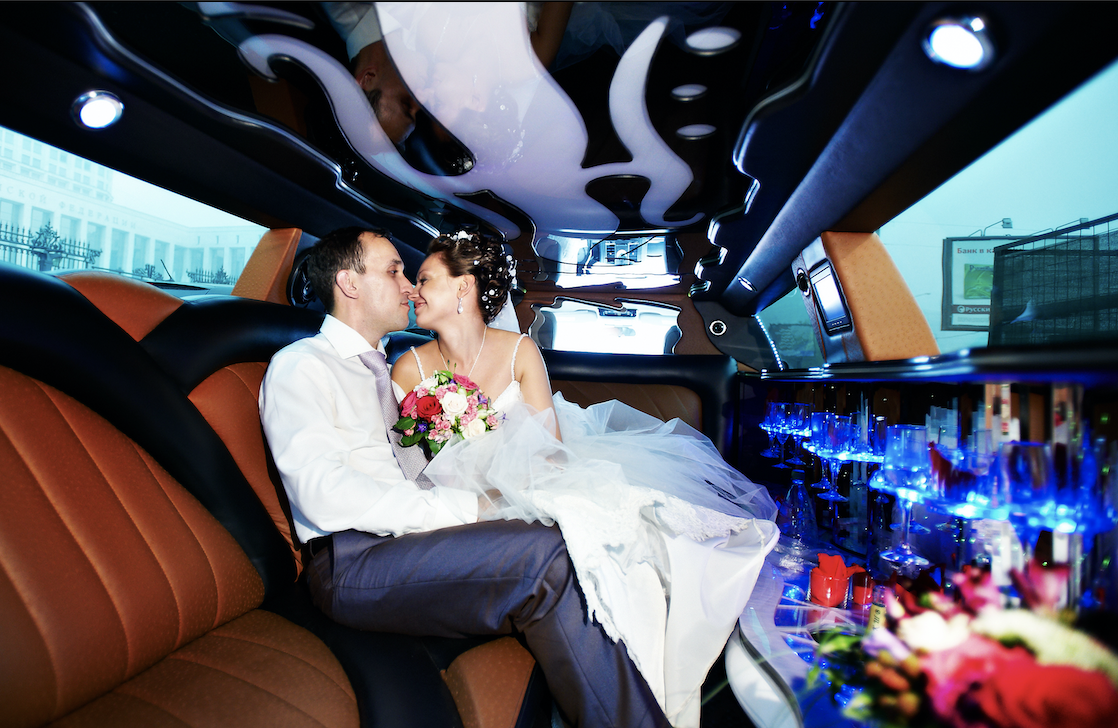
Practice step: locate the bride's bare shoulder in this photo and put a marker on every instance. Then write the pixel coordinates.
(406, 373)
(506, 341)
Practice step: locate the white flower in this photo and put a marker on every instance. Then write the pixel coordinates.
(474, 428)
(454, 403)
(931, 632)
(429, 383)
(1052, 642)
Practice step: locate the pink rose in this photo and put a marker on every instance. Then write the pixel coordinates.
(407, 407)
(954, 672)
(465, 381)
(493, 421)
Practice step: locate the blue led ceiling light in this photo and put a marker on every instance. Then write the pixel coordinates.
(97, 109)
(960, 43)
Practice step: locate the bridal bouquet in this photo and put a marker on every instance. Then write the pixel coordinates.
(443, 407)
(969, 663)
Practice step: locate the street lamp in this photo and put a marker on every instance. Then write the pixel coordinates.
(1005, 222)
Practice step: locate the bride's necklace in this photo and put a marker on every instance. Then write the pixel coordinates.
(479, 349)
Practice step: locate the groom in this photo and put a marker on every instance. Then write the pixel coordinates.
(389, 552)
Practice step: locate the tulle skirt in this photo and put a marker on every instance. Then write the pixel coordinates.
(666, 539)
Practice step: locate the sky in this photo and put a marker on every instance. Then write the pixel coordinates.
(1061, 167)
(143, 197)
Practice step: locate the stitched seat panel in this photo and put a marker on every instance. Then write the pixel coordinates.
(258, 670)
(106, 563)
(228, 399)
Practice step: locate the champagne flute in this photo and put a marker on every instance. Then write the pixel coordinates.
(799, 419)
(773, 411)
(906, 469)
(838, 437)
(1026, 484)
(783, 432)
(820, 424)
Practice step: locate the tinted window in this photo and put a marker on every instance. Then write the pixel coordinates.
(634, 327)
(54, 221)
(1022, 239)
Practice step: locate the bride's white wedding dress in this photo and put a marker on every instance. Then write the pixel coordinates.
(667, 540)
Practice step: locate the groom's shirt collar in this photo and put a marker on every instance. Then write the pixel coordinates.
(345, 340)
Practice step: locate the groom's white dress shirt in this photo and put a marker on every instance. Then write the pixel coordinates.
(324, 425)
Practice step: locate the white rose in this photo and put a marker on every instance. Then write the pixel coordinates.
(429, 383)
(475, 428)
(930, 631)
(454, 403)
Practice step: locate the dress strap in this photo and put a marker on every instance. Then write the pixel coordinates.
(512, 365)
(418, 364)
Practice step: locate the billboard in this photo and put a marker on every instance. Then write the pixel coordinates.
(968, 277)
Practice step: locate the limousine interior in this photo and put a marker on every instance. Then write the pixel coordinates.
(713, 208)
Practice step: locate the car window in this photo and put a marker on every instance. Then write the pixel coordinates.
(790, 331)
(632, 327)
(60, 212)
(1017, 248)
(631, 262)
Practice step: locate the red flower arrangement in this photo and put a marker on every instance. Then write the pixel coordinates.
(444, 407)
(966, 662)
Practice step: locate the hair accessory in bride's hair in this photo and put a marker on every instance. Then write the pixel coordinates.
(460, 236)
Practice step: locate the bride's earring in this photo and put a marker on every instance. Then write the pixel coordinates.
(459, 304)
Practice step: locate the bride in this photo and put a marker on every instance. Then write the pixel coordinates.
(667, 540)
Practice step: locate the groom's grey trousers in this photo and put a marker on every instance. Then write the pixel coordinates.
(481, 579)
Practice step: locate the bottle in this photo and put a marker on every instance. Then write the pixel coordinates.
(877, 610)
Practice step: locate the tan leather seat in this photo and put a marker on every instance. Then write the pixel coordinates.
(124, 602)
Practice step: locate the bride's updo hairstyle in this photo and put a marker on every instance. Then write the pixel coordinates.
(468, 253)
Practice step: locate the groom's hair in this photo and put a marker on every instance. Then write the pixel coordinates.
(335, 251)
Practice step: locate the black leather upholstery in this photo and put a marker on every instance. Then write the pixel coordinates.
(232, 329)
(711, 377)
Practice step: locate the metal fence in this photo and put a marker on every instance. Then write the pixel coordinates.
(44, 249)
(220, 277)
(1057, 286)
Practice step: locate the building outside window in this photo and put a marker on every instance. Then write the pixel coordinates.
(114, 226)
(39, 218)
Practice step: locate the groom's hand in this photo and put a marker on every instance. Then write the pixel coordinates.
(487, 502)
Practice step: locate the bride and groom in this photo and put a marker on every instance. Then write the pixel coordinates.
(622, 548)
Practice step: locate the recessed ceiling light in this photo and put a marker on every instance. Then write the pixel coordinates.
(689, 91)
(97, 109)
(960, 43)
(695, 131)
(713, 40)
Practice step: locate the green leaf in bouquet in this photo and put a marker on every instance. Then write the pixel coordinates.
(837, 641)
(409, 440)
(404, 423)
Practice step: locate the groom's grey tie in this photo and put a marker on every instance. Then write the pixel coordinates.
(411, 459)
